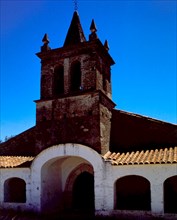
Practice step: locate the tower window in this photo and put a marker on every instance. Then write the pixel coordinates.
(76, 76)
(58, 80)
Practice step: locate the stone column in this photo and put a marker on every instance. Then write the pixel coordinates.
(66, 76)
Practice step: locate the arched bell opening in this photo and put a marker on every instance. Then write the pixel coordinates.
(58, 81)
(75, 76)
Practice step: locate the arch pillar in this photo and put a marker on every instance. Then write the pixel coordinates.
(104, 190)
(99, 191)
(157, 202)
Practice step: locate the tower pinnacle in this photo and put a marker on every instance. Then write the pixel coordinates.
(46, 41)
(93, 30)
(93, 27)
(106, 45)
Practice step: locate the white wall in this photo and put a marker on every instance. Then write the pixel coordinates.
(22, 173)
(155, 174)
(62, 159)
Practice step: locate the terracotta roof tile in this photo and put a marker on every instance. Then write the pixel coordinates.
(157, 156)
(167, 155)
(13, 161)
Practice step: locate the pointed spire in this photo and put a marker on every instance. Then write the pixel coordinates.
(106, 45)
(46, 41)
(75, 33)
(93, 30)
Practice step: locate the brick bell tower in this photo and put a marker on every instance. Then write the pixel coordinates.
(75, 103)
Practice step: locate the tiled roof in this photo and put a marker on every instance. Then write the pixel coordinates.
(158, 156)
(162, 156)
(13, 161)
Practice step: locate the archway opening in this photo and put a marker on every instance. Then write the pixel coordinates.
(15, 190)
(83, 192)
(51, 186)
(59, 178)
(170, 195)
(132, 193)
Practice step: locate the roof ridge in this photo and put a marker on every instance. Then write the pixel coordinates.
(144, 116)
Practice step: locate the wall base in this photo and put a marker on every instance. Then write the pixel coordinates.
(133, 215)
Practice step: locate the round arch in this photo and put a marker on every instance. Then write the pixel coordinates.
(132, 192)
(77, 171)
(170, 195)
(58, 156)
(63, 150)
(15, 190)
(85, 170)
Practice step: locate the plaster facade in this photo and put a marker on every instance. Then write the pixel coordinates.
(47, 179)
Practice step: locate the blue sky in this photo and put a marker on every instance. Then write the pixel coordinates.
(142, 40)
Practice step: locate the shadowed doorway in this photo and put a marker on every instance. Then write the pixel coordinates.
(170, 195)
(133, 193)
(83, 192)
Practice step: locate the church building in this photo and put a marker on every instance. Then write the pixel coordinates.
(83, 154)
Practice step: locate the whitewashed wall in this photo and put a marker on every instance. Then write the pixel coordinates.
(155, 174)
(105, 175)
(22, 173)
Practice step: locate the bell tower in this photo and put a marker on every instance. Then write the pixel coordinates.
(75, 99)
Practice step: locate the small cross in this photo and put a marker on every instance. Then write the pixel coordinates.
(75, 5)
